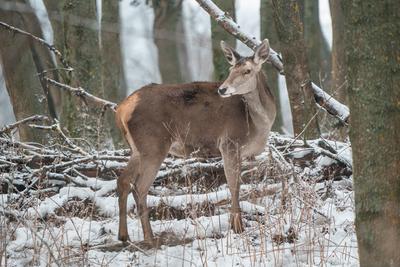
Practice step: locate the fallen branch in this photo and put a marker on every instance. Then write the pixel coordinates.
(331, 105)
(80, 92)
(57, 128)
(34, 118)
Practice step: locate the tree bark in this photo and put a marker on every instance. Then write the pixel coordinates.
(338, 51)
(268, 30)
(22, 60)
(372, 34)
(221, 67)
(290, 34)
(75, 29)
(318, 54)
(113, 83)
(168, 37)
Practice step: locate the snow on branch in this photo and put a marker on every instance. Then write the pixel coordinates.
(34, 118)
(80, 92)
(331, 105)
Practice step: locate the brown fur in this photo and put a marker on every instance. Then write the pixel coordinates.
(183, 119)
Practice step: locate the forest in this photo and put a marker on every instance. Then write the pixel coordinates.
(249, 132)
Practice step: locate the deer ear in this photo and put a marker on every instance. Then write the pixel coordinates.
(262, 52)
(230, 54)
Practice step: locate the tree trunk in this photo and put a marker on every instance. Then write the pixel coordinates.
(22, 60)
(75, 29)
(372, 34)
(218, 34)
(113, 83)
(268, 31)
(338, 51)
(318, 54)
(290, 33)
(169, 37)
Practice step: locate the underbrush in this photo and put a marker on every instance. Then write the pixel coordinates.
(296, 199)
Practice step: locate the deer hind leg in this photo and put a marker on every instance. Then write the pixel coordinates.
(151, 163)
(232, 162)
(123, 187)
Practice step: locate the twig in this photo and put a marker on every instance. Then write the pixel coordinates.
(331, 105)
(41, 41)
(34, 118)
(79, 91)
(302, 132)
(20, 219)
(56, 127)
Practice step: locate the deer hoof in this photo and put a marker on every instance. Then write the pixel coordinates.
(236, 223)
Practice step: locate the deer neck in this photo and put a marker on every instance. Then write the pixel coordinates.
(260, 103)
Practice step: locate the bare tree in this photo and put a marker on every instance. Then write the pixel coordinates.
(23, 61)
(76, 33)
(290, 34)
(221, 68)
(113, 83)
(338, 51)
(372, 67)
(318, 54)
(268, 29)
(169, 38)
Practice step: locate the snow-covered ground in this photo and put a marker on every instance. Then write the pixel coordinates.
(313, 226)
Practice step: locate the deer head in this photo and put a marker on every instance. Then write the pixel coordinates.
(243, 71)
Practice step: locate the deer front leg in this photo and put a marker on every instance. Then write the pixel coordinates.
(232, 162)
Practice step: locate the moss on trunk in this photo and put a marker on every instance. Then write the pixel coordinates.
(76, 34)
(373, 69)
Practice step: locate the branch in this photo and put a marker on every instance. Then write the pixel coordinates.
(331, 105)
(34, 118)
(40, 40)
(57, 128)
(82, 93)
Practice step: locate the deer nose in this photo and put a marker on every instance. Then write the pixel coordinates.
(222, 91)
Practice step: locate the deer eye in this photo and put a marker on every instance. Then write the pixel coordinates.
(246, 72)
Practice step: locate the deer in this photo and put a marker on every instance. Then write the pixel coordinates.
(230, 119)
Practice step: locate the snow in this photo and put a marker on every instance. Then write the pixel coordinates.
(323, 221)
(314, 227)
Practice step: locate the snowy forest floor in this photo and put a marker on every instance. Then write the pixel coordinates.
(59, 207)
